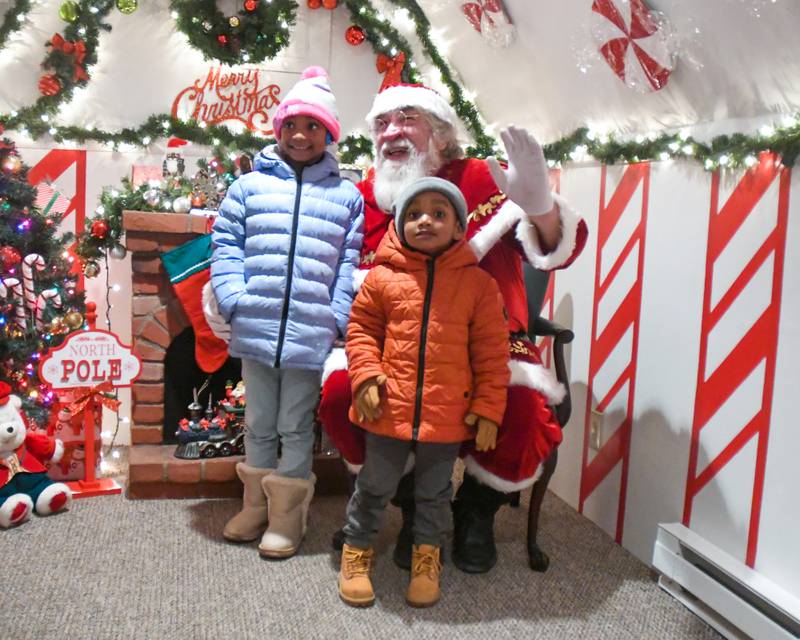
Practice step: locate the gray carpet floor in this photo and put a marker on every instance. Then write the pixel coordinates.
(115, 568)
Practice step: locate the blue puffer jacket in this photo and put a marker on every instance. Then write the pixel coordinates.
(285, 249)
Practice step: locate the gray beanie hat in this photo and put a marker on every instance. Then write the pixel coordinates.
(445, 187)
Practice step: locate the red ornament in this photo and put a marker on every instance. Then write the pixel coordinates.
(99, 229)
(354, 35)
(9, 258)
(329, 4)
(250, 5)
(314, 4)
(49, 84)
(222, 39)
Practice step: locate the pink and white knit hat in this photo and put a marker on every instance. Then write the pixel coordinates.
(311, 96)
(412, 95)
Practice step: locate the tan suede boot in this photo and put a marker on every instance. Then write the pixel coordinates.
(355, 587)
(288, 500)
(423, 590)
(249, 523)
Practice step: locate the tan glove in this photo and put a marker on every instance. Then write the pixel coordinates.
(486, 438)
(368, 399)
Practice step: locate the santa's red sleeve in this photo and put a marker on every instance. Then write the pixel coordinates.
(494, 218)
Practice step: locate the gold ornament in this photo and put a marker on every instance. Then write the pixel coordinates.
(68, 11)
(127, 7)
(74, 320)
(233, 21)
(12, 163)
(57, 325)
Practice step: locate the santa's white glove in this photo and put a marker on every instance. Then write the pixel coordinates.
(219, 327)
(526, 181)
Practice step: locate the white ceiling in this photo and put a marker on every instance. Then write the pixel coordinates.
(750, 65)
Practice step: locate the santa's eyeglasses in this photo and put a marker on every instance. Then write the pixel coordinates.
(400, 119)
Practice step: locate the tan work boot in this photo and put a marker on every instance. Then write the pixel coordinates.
(355, 587)
(288, 501)
(423, 590)
(250, 522)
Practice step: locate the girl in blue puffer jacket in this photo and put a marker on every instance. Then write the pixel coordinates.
(286, 243)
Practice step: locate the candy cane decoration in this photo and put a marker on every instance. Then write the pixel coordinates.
(15, 286)
(41, 302)
(32, 261)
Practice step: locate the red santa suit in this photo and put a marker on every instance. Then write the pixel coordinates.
(501, 236)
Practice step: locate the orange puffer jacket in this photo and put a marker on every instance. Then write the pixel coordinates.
(436, 329)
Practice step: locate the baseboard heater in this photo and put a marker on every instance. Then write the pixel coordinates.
(738, 602)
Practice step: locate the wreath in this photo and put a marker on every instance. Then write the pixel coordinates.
(258, 32)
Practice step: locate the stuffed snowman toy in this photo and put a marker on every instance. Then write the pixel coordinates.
(24, 485)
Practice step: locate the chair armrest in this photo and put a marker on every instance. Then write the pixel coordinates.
(544, 327)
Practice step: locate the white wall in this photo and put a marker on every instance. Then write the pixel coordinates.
(669, 348)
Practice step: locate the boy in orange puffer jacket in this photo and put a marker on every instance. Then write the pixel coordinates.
(427, 346)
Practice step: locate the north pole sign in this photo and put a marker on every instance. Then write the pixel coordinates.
(90, 358)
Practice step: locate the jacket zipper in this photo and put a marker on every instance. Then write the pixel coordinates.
(423, 339)
(290, 272)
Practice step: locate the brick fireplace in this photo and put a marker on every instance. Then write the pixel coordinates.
(157, 319)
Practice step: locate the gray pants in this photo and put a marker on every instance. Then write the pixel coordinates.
(280, 407)
(384, 463)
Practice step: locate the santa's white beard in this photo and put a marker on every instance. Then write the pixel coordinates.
(392, 176)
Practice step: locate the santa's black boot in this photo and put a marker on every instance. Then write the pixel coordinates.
(404, 498)
(474, 508)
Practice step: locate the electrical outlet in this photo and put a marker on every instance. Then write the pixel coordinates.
(596, 429)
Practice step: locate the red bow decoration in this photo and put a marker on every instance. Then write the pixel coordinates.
(392, 67)
(74, 48)
(615, 50)
(85, 395)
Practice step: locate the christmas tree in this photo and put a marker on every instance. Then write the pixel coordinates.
(39, 302)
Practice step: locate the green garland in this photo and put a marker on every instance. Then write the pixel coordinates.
(113, 201)
(485, 145)
(250, 36)
(12, 19)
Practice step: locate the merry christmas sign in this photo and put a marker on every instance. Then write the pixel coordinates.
(245, 96)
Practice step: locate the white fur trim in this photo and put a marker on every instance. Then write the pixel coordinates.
(359, 275)
(495, 482)
(399, 96)
(43, 501)
(528, 236)
(336, 361)
(214, 318)
(8, 508)
(352, 468)
(59, 452)
(535, 376)
(508, 214)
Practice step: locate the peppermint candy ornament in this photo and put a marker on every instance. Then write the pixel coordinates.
(635, 41)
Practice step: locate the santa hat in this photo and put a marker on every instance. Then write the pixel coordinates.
(311, 96)
(5, 393)
(418, 96)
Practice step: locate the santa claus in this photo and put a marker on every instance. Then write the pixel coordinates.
(513, 216)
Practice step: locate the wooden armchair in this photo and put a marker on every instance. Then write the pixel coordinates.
(536, 286)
